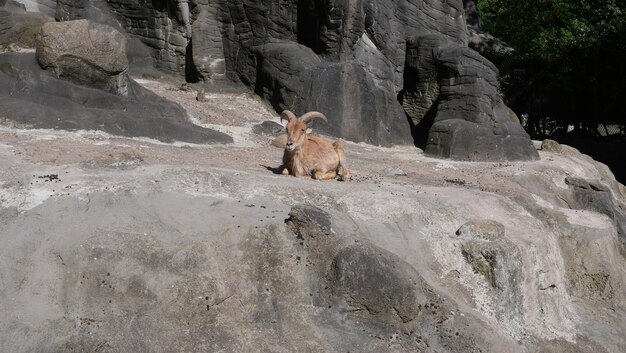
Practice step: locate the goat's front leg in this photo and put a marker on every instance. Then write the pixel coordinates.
(344, 174)
(324, 176)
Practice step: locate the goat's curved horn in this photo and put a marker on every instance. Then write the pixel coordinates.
(312, 115)
(286, 114)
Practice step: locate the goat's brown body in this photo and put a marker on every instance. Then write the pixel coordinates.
(316, 156)
(307, 155)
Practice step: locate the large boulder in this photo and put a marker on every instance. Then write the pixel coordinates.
(86, 53)
(32, 97)
(282, 68)
(165, 26)
(453, 91)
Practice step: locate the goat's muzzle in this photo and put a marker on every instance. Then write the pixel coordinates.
(289, 146)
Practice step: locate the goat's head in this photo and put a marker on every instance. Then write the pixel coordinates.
(296, 127)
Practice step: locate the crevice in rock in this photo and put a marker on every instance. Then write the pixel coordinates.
(311, 15)
(191, 73)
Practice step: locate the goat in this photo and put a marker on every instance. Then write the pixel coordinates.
(311, 155)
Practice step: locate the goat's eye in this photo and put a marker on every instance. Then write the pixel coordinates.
(303, 130)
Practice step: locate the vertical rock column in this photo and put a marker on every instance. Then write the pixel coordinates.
(458, 89)
(207, 46)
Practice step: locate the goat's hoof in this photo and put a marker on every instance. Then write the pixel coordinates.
(344, 177)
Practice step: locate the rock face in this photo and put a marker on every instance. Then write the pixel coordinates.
(19, 27)
(349, 59)
(30, 96)
(207, 46)
(353, 68)
(86, 53)
(165, 26)
(371, 279)
(455, 90)
(47, 7)
(112, 244)
(132, 245)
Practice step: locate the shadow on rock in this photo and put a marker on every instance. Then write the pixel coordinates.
(33, 98)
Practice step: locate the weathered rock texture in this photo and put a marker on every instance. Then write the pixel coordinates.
(127, 245)
(207, 45)
(19, 27)
(30, 96)
(347, 59)
(47, 7)
(165, 26)
(86, 53)
(455, 90)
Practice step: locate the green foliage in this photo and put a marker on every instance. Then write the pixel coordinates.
(551, 29)
(573, 53)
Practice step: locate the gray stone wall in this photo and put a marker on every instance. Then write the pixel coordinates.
(345, 58)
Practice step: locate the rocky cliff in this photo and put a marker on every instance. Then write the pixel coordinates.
(152, 220)
(349, 59)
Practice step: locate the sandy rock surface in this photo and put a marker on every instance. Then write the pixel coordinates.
(113, 244)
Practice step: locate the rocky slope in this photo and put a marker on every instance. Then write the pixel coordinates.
(118, 244)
